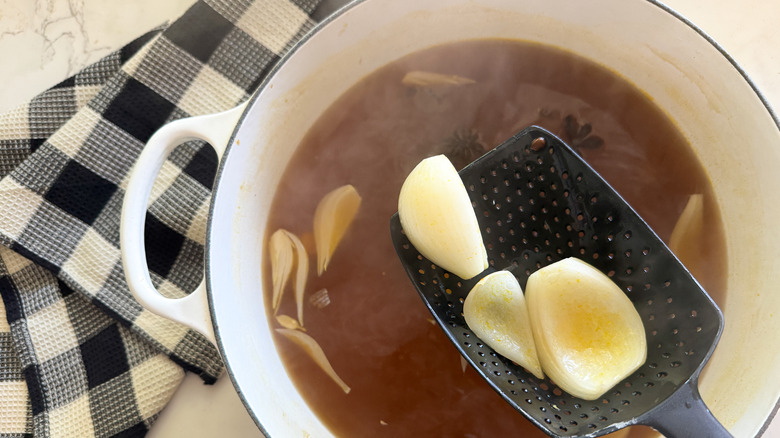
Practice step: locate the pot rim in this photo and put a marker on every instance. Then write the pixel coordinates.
(350, 4)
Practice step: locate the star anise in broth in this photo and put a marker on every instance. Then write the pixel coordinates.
(579, 136)
(463, 147)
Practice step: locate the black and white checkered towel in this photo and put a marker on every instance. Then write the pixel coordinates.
(78, 356)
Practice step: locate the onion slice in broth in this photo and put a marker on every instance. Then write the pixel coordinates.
(313, 349)
(419, 78)
(289, 322)
(301, 274)
(333, 216)
(281, 249)
(688, 234)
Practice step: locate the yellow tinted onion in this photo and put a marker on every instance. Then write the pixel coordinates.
(301, 272)
(287, 251)
(333, 216)
(588, 334)
(419, 78)
(688, 235)
(313, 349)
(495, 310)
(281, 252)
(289, 322)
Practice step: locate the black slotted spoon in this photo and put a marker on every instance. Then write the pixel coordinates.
(538, 202)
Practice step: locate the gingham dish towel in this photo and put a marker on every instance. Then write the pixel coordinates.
(78, 356)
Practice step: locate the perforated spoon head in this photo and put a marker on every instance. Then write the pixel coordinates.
(538, 202)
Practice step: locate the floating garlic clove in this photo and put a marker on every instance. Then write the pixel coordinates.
(333, 216)
(313, 349)
(419, 78)
(688, 234)
(289, 322)
(302, 272)
(281, 249)
(588, 334)
(437, 217)
(495, 310)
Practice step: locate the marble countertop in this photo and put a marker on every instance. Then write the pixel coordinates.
(45, 41)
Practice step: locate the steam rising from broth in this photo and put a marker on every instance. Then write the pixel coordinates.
(402, 370)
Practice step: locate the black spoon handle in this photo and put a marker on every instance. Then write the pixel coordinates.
(684, 414)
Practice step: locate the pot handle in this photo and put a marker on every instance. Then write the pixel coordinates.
(192, 310)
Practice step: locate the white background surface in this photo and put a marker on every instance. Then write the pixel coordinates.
(45, 41)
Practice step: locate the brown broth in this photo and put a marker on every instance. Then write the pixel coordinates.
(406, 377)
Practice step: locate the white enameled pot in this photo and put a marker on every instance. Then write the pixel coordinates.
(734, 133)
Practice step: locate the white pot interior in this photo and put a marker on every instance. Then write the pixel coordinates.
(732, 132)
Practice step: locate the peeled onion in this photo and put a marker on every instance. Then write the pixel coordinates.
(333, 216)
(289, 322)
(281, 251)
(313, 349)
(301, 272)
(688, 234)
(495, 310)
(437, 217)
(419, 78)
(588, 334)
(287, 251)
